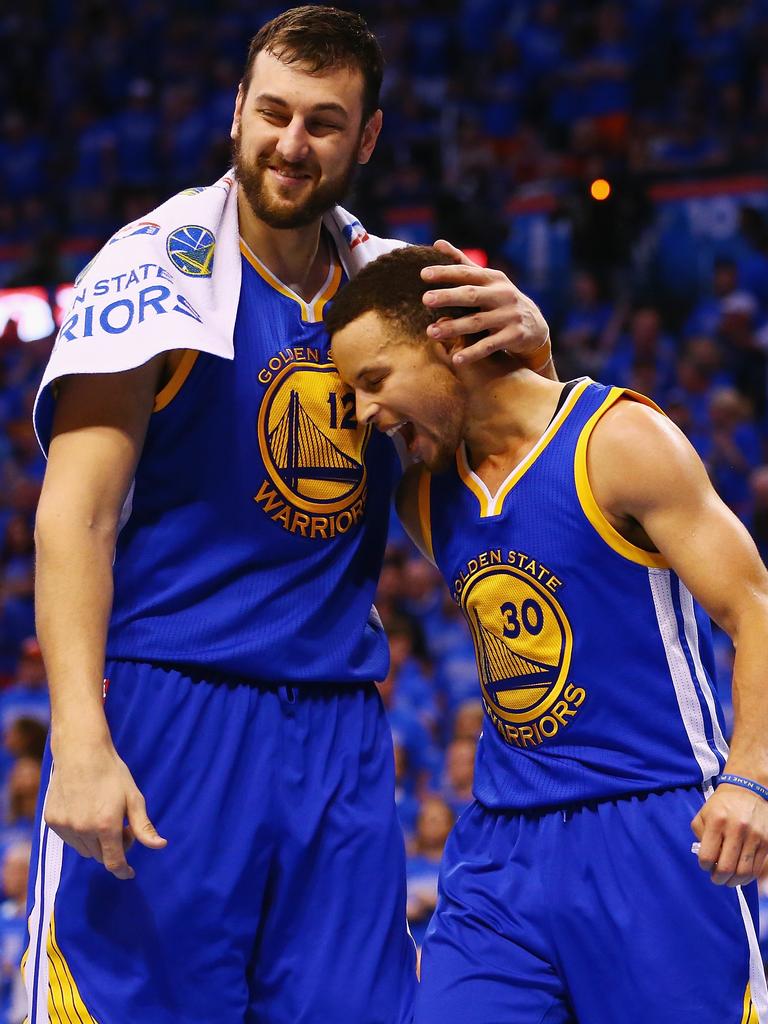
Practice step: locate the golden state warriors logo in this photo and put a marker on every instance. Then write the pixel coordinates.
(312, 447)
(190, 250)
(523, 645)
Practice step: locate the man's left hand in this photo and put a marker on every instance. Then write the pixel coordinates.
(510, 320)
(732, 828)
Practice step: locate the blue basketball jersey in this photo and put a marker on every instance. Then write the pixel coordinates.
(259, 511)
(595, 663)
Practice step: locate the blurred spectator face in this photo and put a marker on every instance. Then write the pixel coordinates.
(420, 579)
(390, 587)
(23, 439)
(460, 764)
(736, 319)
(680, 414)
(692, 376)
(387, 688)
(434, 823)
(400, 644)
(19, 540)
(468, 723)
(644, 328)
(726, 409)
(706, 354)
(25, 737)
(16, 871)
(25, 495)
(610, 23)
(758, 483)
(23, 787)
(724, 278)
(31, 670)
(585, 290)
(292, 161)
(401, 763)
(644, 378)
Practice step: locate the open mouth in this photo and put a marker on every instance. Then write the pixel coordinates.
(289, 177)
(406, 431)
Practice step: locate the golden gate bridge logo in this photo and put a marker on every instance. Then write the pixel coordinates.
(516, 682)
(301, 451)
(312, 446)
(522, 641)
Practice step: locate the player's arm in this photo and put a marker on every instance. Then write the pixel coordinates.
(98, 432)
(407, 505)
(647, 478)
(508, 320)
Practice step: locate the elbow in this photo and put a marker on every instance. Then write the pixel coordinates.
(56, 526)
(749, 617)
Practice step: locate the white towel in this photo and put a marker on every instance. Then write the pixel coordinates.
(170, 281)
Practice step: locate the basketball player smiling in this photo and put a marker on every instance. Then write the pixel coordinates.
(586, 546)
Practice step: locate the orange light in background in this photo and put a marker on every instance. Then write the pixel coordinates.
(600, 189)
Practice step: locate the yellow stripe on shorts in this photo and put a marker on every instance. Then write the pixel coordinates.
(65, 1004)
(749, 1016)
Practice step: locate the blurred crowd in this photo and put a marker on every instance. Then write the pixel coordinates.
(108, 109)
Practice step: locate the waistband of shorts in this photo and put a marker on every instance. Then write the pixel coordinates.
(204, 673)
(590, 805)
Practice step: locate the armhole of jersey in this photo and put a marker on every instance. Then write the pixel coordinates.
(425, 513)
(168, 392)
(589, 506)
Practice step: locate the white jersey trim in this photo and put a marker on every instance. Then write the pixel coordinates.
(685, 689)
(757, 985)
(692, 637)
(47, 879)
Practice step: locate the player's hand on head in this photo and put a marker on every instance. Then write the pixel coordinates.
(732, 829)
(90, 797)
(508, 319)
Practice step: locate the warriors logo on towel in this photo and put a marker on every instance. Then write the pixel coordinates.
(191, 250)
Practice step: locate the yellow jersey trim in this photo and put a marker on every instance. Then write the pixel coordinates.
(65, 1004)
(749, 1015)
(493, 504)
(425, 514)
(327, 292)
(590, 507)
(168, 392)
(312, 311)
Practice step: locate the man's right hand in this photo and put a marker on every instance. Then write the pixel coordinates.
(91, 795)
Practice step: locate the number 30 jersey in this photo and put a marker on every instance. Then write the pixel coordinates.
(259, 511)
(594, 661)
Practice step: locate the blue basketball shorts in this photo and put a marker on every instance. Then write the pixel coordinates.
(280, 896)
(593, 916)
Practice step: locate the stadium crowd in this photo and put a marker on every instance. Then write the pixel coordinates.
(107, 110)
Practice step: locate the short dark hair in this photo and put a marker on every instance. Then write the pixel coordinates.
(319, 38)
(392, 286)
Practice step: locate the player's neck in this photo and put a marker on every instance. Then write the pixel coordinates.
(506, 414)
(296, 256)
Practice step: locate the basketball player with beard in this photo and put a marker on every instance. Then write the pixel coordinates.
(232, 615)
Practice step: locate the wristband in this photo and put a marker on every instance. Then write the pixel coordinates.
(546, 344)
(739, 780)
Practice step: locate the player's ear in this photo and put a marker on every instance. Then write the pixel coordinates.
(369, 137)
(444, 348)
(238, 112)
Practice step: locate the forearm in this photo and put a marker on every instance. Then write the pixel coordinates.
(749, 743)
(73, 600)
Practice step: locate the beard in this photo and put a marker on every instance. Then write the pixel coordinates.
(251, 176)
(447, 437)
